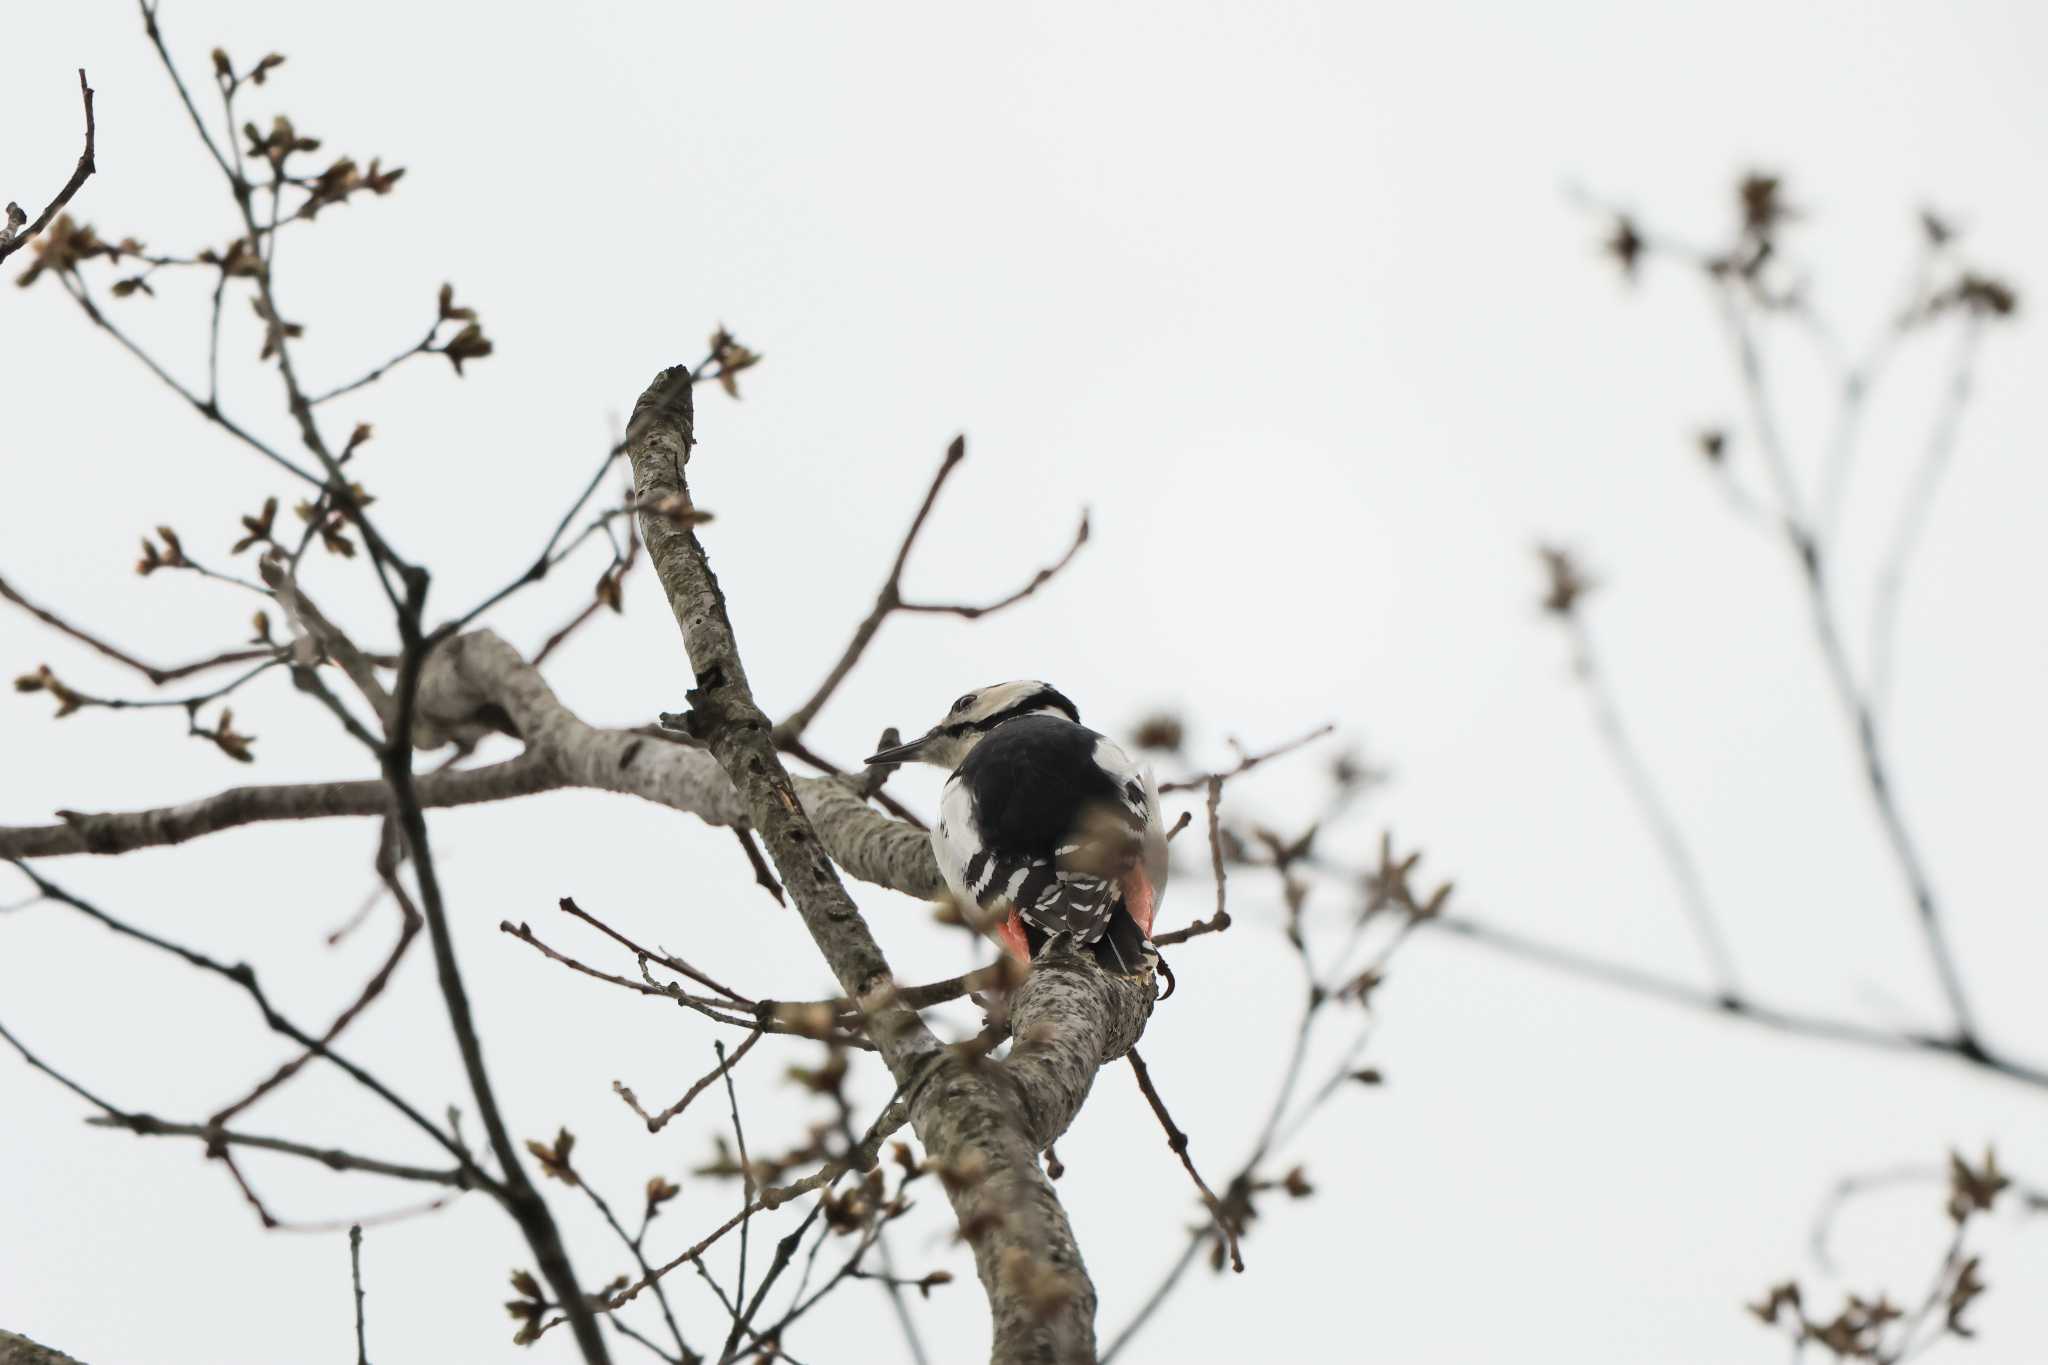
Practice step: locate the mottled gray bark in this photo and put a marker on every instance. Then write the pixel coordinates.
(19, 1350)
(1069, 1019)
(463, 677)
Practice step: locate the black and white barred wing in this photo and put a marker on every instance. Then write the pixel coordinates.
(1066, 892)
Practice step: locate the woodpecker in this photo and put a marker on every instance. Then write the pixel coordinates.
(1047, 828)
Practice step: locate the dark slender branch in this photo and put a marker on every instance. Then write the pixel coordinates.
(374, 987)
(1646, 983)
(892, 1117)
(403, 1213)
(10, 240)
(355, 1271)
(739, 1137)
(143, 1125)
(634, 1248)
(156, 39)
(516, 1192)
(622, 564)
(665, 959)
(797, 749)
(1857, 380)
(1649, 802)
(848, 1268)
(244, 976)
(1219, 921)
(656, 1122)
(1914, 513)
(890, 600)
(1038, 580)
(156, 675)
(1854, 703)
(711, 1009)
(1246, 761)
(632, 1333)
(206, 408)
(544, 561)
(1160, 1292)
(1230, 1213)
(764, 876)
(1177, 1142)
(886, 601)
(147, 1125)
(785, 1251)
(190, 704)
(220, 289)
(363, 381)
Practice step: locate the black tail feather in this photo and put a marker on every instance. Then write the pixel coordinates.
(1123, 948)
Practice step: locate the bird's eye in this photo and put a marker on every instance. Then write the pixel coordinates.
(964, 702)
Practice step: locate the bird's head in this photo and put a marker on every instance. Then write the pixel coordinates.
(973, 716)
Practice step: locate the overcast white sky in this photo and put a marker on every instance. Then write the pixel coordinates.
(1292, 298)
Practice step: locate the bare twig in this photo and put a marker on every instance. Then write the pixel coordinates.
(1914, 512)
(675, 964)
(1160, 1293)
(1853, 701)
(1647, 983)
(1635, 775)
(517, 1193)
(892, 1117)
(622, 564)
(244, 976)
(409, 928)
(146, 1125)
(1219, 921)
(205, 407)
(365, 380)
(355, 1270)
(1246, 761)
(764, 877)
(156, 675)
(635, 1247)
(715, 1010)
(12, 240)
(890, 600)
(656, 1122)
(1177, 1141)
(1857, 380)
(739, 1137)
(796, 748)
(546, 559)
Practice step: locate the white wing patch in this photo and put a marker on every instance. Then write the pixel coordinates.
(1141, 797)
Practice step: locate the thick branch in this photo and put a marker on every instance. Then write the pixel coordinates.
(481, 674)
(986, 1135)
(19, 1350)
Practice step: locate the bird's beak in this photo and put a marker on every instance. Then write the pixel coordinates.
(904, 753)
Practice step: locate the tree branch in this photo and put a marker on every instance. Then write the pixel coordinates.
(12, 241)
(156, 675)
(890, 600)
(978, 1129)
